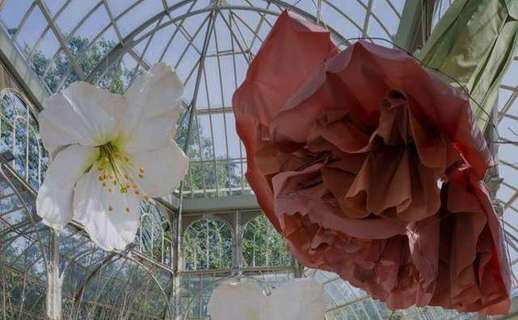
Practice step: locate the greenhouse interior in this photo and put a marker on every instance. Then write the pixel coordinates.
(217, 224)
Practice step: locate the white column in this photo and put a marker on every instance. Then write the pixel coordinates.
(54, 280)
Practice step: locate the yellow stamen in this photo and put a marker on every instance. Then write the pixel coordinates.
(116, 169)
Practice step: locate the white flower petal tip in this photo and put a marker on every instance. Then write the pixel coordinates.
(154, 108)
(109, 153)
(160, 86)
(165, 74)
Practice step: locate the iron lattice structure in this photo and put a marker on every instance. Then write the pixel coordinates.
(211, 229)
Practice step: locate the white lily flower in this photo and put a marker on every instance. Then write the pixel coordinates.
(109, 152)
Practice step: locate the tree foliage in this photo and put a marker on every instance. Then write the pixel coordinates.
(263, 246)
(59, 72)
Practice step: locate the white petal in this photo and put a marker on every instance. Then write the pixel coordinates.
(154, 106)
(109, 229)
(156, 91)
(298, 299)
(236, 300)
(152, 133)
(54, 201)
(164, 169)
(80, 114)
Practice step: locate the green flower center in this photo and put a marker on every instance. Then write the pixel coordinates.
(115, 170)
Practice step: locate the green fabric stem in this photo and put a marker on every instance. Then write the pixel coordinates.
(474, 43)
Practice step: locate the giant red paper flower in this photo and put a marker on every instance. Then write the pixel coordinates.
(370, 166)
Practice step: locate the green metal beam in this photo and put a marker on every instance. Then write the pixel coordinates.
(192, 205)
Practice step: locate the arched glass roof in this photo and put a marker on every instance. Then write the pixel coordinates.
(211, 43)
(223, 36)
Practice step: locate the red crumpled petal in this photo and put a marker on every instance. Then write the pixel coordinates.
(268, 86)
(356, 157)
(473, 270)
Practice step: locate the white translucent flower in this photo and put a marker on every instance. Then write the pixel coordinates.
(297, 299)
(109, 152)
(236, 300)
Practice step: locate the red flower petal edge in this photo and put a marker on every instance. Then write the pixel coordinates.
(371, 166)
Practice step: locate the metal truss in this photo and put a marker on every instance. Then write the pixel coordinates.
(210, 43)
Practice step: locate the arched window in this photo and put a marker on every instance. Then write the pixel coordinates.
(263, 246)
(19, 135)
(207, 244)
(155, 233)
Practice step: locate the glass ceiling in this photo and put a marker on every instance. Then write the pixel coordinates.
(210, 43)
(126, 37)
(67, 40)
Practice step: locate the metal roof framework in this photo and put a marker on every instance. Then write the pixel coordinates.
(210, 43)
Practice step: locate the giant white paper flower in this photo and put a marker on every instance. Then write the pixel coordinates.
(108, 153)
(297, 299)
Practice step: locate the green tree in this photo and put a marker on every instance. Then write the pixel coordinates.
(87, 58)
(207, 245)
(263, 246)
